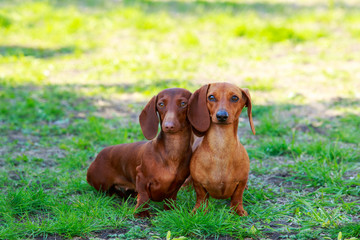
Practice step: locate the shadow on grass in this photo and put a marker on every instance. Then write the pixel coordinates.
(29, 105)
(144, 86)
(34, 52)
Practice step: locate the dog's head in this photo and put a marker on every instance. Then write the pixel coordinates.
(220, 103)
(170, 108)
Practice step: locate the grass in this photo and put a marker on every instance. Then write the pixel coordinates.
(74, 76)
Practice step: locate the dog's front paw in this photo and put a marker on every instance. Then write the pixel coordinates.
(241, 212)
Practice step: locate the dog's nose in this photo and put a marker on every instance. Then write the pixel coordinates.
(169, 126)
(222, 115)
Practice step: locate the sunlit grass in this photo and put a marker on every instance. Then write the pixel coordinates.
(69, 33)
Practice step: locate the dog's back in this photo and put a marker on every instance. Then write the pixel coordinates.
(115, 167)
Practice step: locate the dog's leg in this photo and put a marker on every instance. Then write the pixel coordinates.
(236, 203)
(142, 201)
(142, 198)
(202, 196)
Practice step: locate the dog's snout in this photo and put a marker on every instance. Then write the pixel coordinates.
(222, 115)
(169, 125)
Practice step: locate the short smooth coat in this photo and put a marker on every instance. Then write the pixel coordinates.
(219, 165)
(155, 169)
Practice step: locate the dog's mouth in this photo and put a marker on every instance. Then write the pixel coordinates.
(222, 123)
(170, 130)
(217, 121)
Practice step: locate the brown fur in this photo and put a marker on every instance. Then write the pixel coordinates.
(155, 169)
(219, 165)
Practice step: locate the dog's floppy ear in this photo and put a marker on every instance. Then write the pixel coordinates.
(247, 98)
(198, 113)
(149, 120)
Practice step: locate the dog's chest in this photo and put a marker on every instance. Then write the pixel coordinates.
(219, 172)
(166, 182)
(219, 165)
(222, 178)
(222, 171)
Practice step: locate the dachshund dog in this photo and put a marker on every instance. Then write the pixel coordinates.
(219, 166)
(155, 169)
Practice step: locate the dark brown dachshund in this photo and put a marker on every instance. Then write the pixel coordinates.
(219, 166)
(154, 169)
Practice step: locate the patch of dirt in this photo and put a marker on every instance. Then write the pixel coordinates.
(20, 138)
(3, 150)
(278, 181)
(309, 128)
(109, 233)
(27, 148)
(321, 110)
(352, 174)
(223, 238)
(279, 234)
(119, 107)
(52, 237)
(244, 128)
(16, 175)
(98, 235)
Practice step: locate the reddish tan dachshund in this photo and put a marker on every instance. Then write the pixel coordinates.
(154, 169)
(219, 166)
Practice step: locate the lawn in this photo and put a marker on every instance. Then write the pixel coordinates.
(74, 76)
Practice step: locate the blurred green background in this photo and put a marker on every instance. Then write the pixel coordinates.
(74, 76)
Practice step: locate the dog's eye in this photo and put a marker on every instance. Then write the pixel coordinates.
(183, 104)
(234, 98)
(160, 104)
(212, 98)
